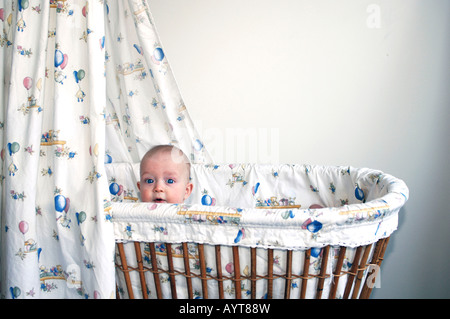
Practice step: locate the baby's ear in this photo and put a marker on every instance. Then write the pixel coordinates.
(189, 188)
(139, 185)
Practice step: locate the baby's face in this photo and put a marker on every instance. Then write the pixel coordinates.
(164, 180)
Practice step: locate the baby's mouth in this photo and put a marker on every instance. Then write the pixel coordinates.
(159, 200)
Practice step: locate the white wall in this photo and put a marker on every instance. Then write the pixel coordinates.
(361, 83)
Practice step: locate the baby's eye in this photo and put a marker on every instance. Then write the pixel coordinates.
(149, 181)
(170, 181)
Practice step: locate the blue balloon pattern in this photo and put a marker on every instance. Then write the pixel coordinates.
(158, 54)
(206, 200)
(60, 203)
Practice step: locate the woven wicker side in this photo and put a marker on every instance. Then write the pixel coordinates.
(187, 270)
(126, 271)
(237, 272)
(141, 270)
(305, 273)
(253, 273)
(219, 272)
(377, 259)
(319, 276)
(337, 273)
(155, 270)
(287, 290)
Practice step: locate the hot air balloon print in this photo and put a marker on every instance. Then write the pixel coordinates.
(61, 59)
(23, 227)
(15, 292)
(240, 235)
(312, 226)
(158, 56)
(61, 203)
(138, 49)
(255, 189)
(79, 75)
(81, 217)
(359, 194)
(27, 82)
(315, 252)
(207, 200)
(229, 268)
(13, 148)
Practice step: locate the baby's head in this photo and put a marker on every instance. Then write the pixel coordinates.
(164, 175)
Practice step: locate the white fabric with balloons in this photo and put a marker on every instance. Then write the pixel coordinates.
(83, 83)
(249, 205)
(281, 207)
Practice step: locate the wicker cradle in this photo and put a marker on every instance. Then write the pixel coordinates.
(359, 281)
(298, 264)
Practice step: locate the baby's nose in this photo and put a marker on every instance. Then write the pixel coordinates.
(158, 187)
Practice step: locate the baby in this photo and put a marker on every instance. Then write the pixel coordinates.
(165, 172)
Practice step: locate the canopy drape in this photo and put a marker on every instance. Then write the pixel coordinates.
(84, 84)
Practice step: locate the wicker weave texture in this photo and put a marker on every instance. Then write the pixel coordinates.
(191, 270)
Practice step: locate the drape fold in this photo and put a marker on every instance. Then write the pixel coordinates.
(84, 84)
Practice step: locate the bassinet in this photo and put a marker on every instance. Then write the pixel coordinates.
(256, 231)
(89, 89)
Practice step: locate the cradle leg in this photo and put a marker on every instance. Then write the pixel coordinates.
(337, 273)
(253, 272)
(125, 270)
(305, 273)
(237, 272)
(155, 270)
(323, 272)
(352, 273)
(173, 285)
(270, 274)
(201, 256)
(287, 288)
(219, 272)
(377, 259)
(187, 270)
(137, 248)
(360, 273)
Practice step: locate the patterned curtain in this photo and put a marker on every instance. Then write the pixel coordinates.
(84, 84)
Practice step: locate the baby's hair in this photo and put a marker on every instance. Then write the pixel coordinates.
(177, 155)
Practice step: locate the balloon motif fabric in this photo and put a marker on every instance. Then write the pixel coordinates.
(249, 205)
(281, 207)
(84, 83)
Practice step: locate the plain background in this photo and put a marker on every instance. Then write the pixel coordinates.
(360, 83)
